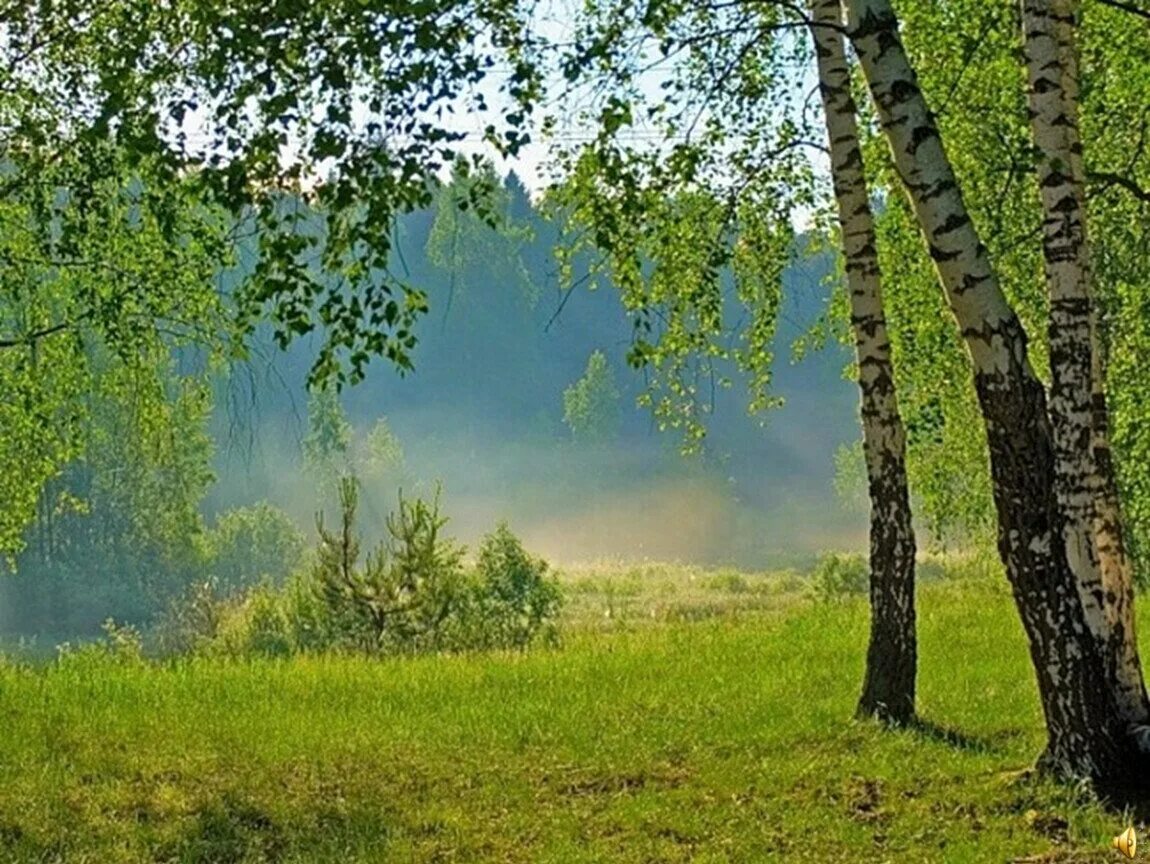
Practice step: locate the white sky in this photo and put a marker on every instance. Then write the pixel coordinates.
(553, 22)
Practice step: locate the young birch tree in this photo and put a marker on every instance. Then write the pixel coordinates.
(889, 684)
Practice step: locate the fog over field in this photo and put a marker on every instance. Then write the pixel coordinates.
(630, 501)
(489, 425)
(483, 417)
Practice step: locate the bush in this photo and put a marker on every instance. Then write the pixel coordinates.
(190, 622)
(252, 622)
(250, 545)
(257, 625)
(517, 602)
(314, 625)
(411, 594)
(839, 575)
(121, 644)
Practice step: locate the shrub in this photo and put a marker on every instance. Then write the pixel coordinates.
(253, 544)
(412, 593)
(404, 595)
(314, 625)
(121, 644)
(517, 600)
(260, 626)
(838, 575)
(190, 622)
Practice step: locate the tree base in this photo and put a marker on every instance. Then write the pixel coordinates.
(886, 714)
(1125, 783)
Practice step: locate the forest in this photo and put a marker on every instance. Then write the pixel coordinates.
(539, 430)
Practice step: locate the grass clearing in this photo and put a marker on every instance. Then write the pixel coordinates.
(609, 596)
(642, 739)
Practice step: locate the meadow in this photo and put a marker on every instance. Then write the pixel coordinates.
(687, 715)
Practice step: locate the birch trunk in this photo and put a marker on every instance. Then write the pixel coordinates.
(1052, 67)
(1085, 734)
(1069, 331)
(889, 684)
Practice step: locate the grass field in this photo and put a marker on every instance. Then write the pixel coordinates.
(653, 734)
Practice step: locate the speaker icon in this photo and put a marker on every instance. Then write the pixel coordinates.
(1126, 843)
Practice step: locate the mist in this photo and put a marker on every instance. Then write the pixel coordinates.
(573, 504)
(482, 419)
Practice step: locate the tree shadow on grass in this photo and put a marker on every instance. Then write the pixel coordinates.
(954, 738)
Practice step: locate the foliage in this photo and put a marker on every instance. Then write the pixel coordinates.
(406, 592)
(333, 448)
(333, 129)
(517, 601)
(729, 580)
(38, 433)
(190, 622)
(476, 248)
(411, 594)
(719, 71)
(591, 404)
(966, 56)
(850, 476)
(107, 253)
(686, 190)
(249, 545)
(327, 444)
(839, 575)
(137, 165)
(102, 280)
(121, 645)
(118, 531)
(381, 453)
(256, 625)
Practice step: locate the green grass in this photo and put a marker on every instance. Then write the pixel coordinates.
(722, 739)
(609, 596)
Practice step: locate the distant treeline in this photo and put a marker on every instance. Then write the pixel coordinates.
(521, 401)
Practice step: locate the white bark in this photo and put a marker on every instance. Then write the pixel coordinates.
(1064, 252)
(889, 687)
(1085, 734)
(1084, 471)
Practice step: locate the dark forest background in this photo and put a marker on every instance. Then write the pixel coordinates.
(521, 406)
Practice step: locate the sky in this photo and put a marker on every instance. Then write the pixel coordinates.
(553, 22)
(535, 164)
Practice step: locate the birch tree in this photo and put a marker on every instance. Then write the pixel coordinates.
(727, 132)
(1087, 736)
(1084, 475)
(967, 55)
(889, 684)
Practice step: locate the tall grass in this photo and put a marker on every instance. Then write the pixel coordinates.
(724, 739)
